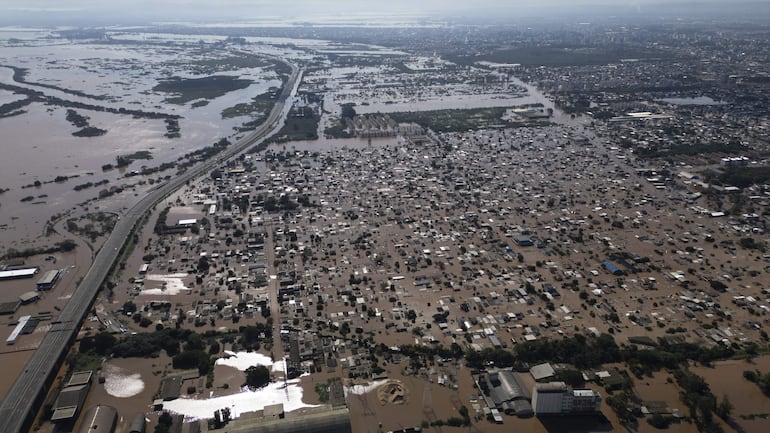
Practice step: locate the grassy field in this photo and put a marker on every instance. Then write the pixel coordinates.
(459, 120)
(259, 105)
(190, 89)
(302, 124)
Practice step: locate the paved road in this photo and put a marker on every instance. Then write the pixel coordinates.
(25, 398)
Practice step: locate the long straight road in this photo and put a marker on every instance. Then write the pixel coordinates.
(27, 394)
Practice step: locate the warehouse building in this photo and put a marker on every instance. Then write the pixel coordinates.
(99, 419)
(504, 391)
(29, 297)
(18, 273)
(71, 398)
(556, 398)
(69, 403)
(9, 307)
(48, 280)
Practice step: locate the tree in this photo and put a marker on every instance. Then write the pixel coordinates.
(348, 112)
(257, 376)
(411, 315)
(659, 421)
(724, 408)
(129, 307)
(214, 348)
(66, 245)
(164, 423)
(203, 264)
(192, 359)
(620, 404)
(345, 329)
(103, 342)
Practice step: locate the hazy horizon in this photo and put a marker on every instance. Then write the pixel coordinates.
(90, 12)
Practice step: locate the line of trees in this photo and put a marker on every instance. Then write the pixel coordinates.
(589, 351)
(59, 247)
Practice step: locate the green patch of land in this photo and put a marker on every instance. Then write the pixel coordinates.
(689, 150)
(191, 89)
(744, 177)
(89, 131)
(458, 120)
(337, 130)
(259, 106)
(124, 160)
(301, 124)
(231, 63)
(59, 247)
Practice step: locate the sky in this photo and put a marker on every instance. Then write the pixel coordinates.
(62, 12)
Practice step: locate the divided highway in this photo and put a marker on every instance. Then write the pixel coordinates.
(25, 398)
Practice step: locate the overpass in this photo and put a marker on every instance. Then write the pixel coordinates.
(26, 396)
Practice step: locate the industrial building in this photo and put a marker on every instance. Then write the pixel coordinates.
(48, 280)
(18, 273)
(556, 398)
(612, 268)
(71, 397)
(9, 307)
(504, 391)
(29, 297)
(99, 419)
(69, 403)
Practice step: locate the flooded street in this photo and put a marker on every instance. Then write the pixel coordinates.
(466, 220)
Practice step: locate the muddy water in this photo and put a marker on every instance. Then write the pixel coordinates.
(149, 370)
(726, 379)
(41, 144)
(14, 357)
(6, 97)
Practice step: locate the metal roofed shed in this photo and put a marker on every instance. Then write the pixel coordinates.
(18, 273)
(171, 388)
(524, 242)
(9, 307)
(507, 393)
(69, 403)
(48, 280)
(542, 371)
(99, 419)
(17, 330)
(29, 297)
(138, 424)
(612, 268)
(80, 378)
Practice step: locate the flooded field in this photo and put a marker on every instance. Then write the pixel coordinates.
(100, 81)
